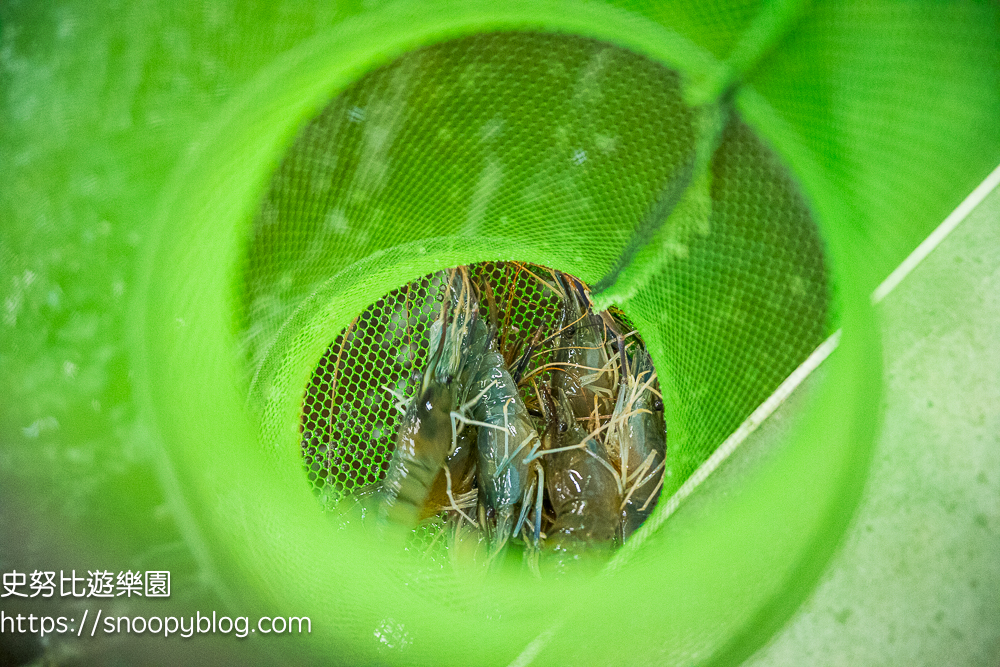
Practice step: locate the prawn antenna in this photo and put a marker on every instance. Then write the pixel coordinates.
(549, 413)
(582, 292)
(491, 303)
(522, 363)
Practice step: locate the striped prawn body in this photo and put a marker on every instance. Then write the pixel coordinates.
(422, 446)
(426, 434)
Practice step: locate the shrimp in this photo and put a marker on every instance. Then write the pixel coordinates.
(636, 441)
(506, 438)
(582, 489)
(582, 360)
(425, 437)
(456, 480)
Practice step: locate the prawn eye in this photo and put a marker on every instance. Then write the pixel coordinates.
(563, 426)
(570, 332)
(658, 405)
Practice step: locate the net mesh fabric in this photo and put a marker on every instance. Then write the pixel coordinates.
(530, 138)
(886, 112)
(550, 149)
(558, 146)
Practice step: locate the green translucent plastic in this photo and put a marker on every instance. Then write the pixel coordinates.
(447, 615)
(823, 168)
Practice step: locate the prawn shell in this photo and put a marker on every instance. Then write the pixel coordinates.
(582, 352)
(583, 493)
(461, 464)
(421, 448)
(642, 434)
(502, 475)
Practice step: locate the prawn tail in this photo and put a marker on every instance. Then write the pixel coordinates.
(405, 492)
(501, 532)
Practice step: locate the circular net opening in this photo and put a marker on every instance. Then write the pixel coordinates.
(555, 382)
(551, 150)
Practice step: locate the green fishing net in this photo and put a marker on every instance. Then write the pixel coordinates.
(704, 169)
(454, 140)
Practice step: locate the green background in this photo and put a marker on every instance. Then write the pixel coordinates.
(100, 101)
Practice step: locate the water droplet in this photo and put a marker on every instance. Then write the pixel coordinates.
(356, 115)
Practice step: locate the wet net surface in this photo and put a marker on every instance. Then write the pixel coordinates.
(556, 147)
(554, 143)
